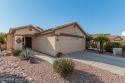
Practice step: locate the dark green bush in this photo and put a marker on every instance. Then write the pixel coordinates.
(89, 38)
(123, 48)
(123, 54)
(16, 52)
(59, 55)
(110, 45)
(63, 66)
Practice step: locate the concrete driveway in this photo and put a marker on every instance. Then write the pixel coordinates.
(110, 63)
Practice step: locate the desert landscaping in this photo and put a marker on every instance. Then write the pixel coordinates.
(13, 69)
(62, 41)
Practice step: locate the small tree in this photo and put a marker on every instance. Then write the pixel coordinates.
(88, 39)
(102, 38)
(2, 40)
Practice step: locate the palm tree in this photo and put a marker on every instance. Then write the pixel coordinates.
(102, 38)
(2, 40)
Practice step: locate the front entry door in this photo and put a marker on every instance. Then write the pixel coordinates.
(28, 42)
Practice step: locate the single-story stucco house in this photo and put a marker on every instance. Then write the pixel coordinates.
(66, 38)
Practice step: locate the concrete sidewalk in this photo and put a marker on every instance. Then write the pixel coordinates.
(45, 57)
(110, 63)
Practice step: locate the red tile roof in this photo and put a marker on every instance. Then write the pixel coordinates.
(111, 37)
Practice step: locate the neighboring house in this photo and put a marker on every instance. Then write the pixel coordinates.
(94, 35)
(66, 38)
(115, 38)
(111, 37)
(123, 37)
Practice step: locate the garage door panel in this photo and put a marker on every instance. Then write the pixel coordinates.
(71, 44)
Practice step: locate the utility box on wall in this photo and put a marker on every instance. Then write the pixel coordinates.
(117, 51)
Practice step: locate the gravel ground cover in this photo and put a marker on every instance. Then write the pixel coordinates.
(42, 72)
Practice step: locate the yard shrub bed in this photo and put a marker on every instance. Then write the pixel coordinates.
(110, 45)
(59, 55)
(16, 52)
(63, 66)
(26, 54)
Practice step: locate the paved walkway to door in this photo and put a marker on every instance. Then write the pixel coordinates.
(110, 63)
(45, 57)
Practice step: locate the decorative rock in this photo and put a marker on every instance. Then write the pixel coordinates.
(16, 66)
(3, 82)
(17, 81)
(28, 78)
(24, 75)
(13, 73)
(22, 69)
(32, 81)
(4, 68)
(1, 60)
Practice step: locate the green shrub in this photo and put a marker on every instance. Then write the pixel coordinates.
(123, 53)
(110, 45)
(60, 54)
(89, 38)
(63, 66)
(7, 54)
(123, 48)
(26, 54)
(16, 52)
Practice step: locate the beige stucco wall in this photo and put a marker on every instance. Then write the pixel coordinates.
(13, 42)
(69, 30)
(69, 44)
(25, 31)
(45, 44)
(9, 41)
(18, 45)
(19, 33)
(50, 45)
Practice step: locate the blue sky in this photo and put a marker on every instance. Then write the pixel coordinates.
(95, 16)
